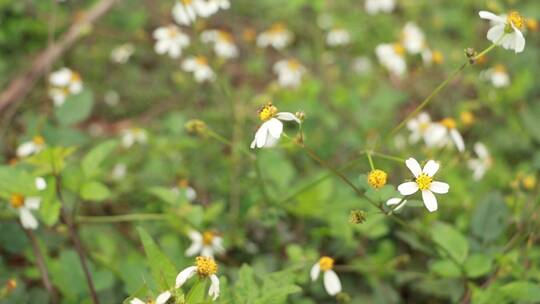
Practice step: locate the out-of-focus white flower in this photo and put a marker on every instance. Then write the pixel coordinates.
(430, 56)
(122, 53)
(24, 205)
(391, 56)
(63, 83)
(506, 30)
(277, 36)
(205, 267)
(413, 38)
(41, 183)
(423, 181)
(111, 98)
(199, 67)
(184, 12)
(362, 65)
(189, 192)
(134, 136)
(223, 42)
(289, 72)
(453, 133)
(480, 165)
(396, 203)
(376, 6)
(31, 147)
(270, 131)
(498, 76)
(422, 127)
(204, 244)
(338, 37)
(170, 40)
(206, 8)
(162, 298)
(332, 284)
(119, 172)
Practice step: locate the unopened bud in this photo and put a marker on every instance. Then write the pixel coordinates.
(300, 115)
(471, 54)
(196, 127)
(357, 217)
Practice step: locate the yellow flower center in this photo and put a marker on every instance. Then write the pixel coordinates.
(423, 181)
(499, 68)
(172, 31)
(438, 57)
(377, 178)
(206, 266)
(75, 77)
(38, 140)
(225, 36)
(208, 237)
(449, 123)
(277, 28)
(201, 60)
(267, 112)
(186, 2)
(16, 200)
(529, 181)
(467, 118)
(532, 25)
(293, 64)
(399, 49)
(423, 126)
(515, 19)
(326, 263)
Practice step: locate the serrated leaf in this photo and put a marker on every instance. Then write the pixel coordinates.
(163, 270)
(92, 161)
(76, 108)
(246, 289)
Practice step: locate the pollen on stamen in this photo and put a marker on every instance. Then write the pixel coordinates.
(326, 263)
(423, 181)
(377, 178)
(515, 19)
(267, 112)
(449, 123)
(206, 266)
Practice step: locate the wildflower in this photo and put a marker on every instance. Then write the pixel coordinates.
(270, 131)
(422, 127)
(204, 244)
(119, 172)
(205, 267)
(331, 280)
(377, 178)
(289, 72)
(338, 37)
(455, 136)
(423, 181)
(391, 56)
(375, 6)
(361, 65)
(196, 126)
(24, 205)
(206, 8)
(199, 67)
(122, 53)
(480, 165)
(223, 42)
(413, 38)
(357, 217)
(430, 57)
(162, 298)
(31, 147)
(134, 136)
(506, 30)
(277, 36)
(498, 76)
(398, 202)
(170, 40)
(64, 82)
(190, 193)
(184, 12)
(40, 183)
(111, 98)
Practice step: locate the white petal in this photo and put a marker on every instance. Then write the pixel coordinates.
(519, 40)
(275, 127)
(439, 187)
(331, 283)
(28, 220)
(395, 201)
(287, 116)
(458, 140)
(213, 291)
(414, 166)
(195, 248)
(495, 33)
(26, 149)
(41, 184)
(207, 251)
(491, 16)
(163, 297)
(315, 270)
(261, 135)
(431, 168)
(271, 141)
(32, 202)
(195, 236)
(408, 188)
(184, 275)
(136, 301)
(429, 200)
(481, 150)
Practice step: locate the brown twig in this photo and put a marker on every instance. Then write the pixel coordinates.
(40, 263)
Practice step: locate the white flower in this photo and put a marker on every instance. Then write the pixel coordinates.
(190, 193)
(133, 136)
(413, 38)
(170, 40)
(277, 36)
(205, 267)
(391, 57)
(423, 181)
(480, 165)
(398, 202)
(337, 37)
(498, 76)
(40, 183)
(162, 298)
(184, 12)
(270, 131)
(205, 244)
(63, 83)
(375, 6)
(223, 42)
(506, 30)
(454, 135)
(199, 67)
(289, 72)
(111, 98)
(206, 8)
(24, 205)
(119, 172)
(122, 53)
(331, 280)
(361, 65)
(31, 147)
(421, 127)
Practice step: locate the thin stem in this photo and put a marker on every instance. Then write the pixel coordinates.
(368, 154)
(121, 218)
(40, 263)
(389, 157)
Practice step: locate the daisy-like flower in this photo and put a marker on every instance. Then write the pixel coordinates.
(396, 203)
(134, 136)
(270, 131)
(204, 244)
(190, 193)
(480, 165)
(31, 147)
(332, 283)
(455, 136)
(422, 127)
(498, 76)
(184, 11)
(277, 36)
(205, 267)
(430, 56)
(162, 298)
(63, 83)
(206, 8)
(223, 42)
(289, 72)
(506, 30)
(122, 53)
(362, 65)
(376, 6)
(199, 67)
(24, 205)
(412, 38)
(338, 37)
(391, 56)
(423, 181)
(170, 40)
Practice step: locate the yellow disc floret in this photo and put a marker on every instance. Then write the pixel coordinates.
(206, 266)
(16, 200)
(449, 123)
(293, 64)
(423, 181)
(437, 57)
(267, 112)
(399, 49)
(467, 118)
(38, 140)
(515, 19)
(326, 263)
(377, 178)
(208, 237)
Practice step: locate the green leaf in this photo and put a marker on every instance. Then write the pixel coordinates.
(51, 160)
(76, 108)
(197, 292)
(277, 286)
(94, 191)
(477, 265)
(490, 217)
(522, 291)
(246, 289)
(163, 270)
(445, 268)
(165, 194)
(14, 180)
(92, 161)
(451, 240)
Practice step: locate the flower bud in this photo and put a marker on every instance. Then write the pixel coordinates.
(357, 217)
(196, 127)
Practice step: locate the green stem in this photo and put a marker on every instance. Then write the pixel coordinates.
(368, 154)
(121, 218)
(389, 157)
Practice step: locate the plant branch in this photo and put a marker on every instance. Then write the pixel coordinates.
(41, 265)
